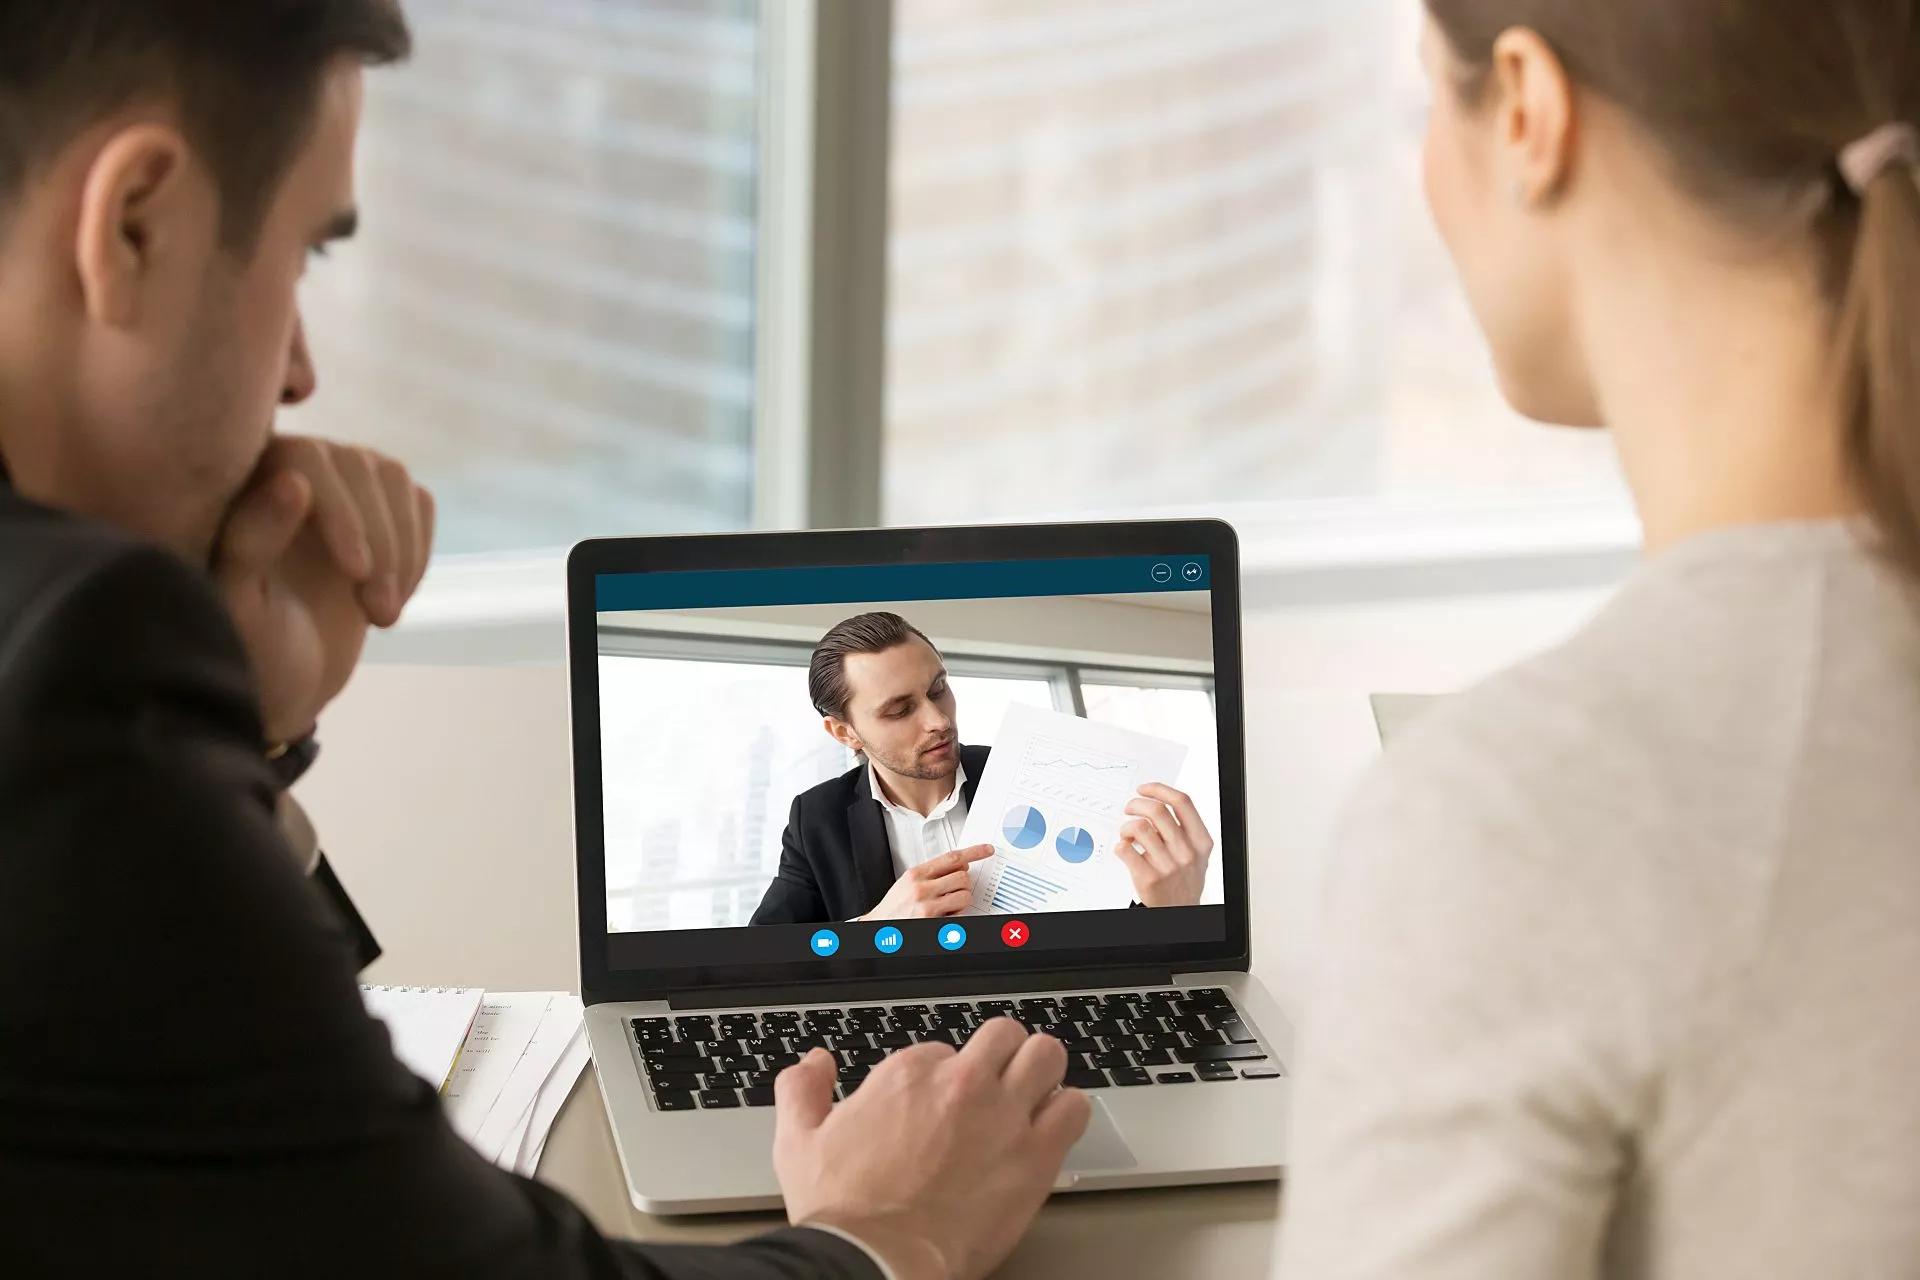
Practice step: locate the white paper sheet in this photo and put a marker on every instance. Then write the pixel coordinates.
(516, 1042)
(1051, 803)
(546, 1107)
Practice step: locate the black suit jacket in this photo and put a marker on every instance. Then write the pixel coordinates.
(188, 1081)
(835, 862)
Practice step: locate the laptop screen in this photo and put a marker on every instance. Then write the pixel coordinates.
(903, 763)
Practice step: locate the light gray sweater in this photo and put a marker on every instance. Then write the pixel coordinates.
(1621, 971)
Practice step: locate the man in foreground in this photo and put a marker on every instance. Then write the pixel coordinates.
(188, 1081)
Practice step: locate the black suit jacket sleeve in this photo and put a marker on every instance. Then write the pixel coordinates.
(794, 895)
(188, 1080)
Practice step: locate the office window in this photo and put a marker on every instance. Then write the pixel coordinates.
(698, 712)
(550, 311)
(1152, 253)
(983, 701)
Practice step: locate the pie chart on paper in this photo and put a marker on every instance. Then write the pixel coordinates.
(1024, 826)
(1074, 845)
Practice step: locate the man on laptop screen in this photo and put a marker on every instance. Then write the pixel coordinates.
(884, 693)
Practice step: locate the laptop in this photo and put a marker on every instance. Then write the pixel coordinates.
(736, 843)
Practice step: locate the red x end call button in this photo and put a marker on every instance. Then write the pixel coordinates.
(1014, 933)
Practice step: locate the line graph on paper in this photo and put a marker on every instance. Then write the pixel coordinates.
(1079, 777)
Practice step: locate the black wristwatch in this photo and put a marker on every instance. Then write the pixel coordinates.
(290, 760)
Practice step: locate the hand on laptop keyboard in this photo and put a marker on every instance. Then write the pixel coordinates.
(941, 1159)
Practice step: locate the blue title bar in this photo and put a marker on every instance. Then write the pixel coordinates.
(886, 583)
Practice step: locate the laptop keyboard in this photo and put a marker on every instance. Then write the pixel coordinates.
(1113, 1039)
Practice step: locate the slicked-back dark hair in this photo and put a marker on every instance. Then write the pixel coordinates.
(244, 76)
(864, 633)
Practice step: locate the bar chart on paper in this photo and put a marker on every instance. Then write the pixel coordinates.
(1051, 801)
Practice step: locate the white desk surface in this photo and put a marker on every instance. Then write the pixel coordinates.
(443, 797)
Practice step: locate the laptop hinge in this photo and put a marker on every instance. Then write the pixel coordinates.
(968, 985)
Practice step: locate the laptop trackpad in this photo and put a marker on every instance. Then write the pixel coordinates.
(1100, 1148)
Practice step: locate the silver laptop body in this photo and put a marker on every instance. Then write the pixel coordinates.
(1191, 1052)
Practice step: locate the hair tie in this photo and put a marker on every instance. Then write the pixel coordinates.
(1862, 163)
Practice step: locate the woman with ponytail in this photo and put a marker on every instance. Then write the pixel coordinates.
(1621, 968)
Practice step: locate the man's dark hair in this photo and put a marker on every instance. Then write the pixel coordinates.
(866, 633)
(244, 75)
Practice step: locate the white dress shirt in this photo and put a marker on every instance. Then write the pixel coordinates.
(913, 838)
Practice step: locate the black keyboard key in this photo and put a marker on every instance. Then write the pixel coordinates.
(740, 1025)
(693, 1027)
(767, 1044)
(802, 1043)
(718, 1099)
(1103, 1029)
(1262, 1073)
(1086, 1078)
(677, 1049)
(677, 1083)
(1220, 1053)
(1078, 1012)
(652, 1031)
(953, 1006)
(760, 1079)
(892, 1040)
(1130, 1076)
(1234, 1030)
(1061, 1031)
(863, 1057)
(1082, 1044)
(849, 1040)
(1153, 1058)
(1159, 1040)
(816, 1027)
(721, 1047)
(723, 1079)
(1209, 998)
(780, 1018)
(1123, 1042)
(1175, 1077)
(758, 1096)
(909, 1010)
(1111, 1060)
(953, 1021)
(1188, 1022)
(679, 1101)
(775, 1063)
(745, 1062)
(995, 1008)
(1216, 1071)
(1206, 1036)
(938, 1035)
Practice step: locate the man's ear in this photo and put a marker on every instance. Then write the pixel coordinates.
(1537, 114)
(137, 206)
(842, 732)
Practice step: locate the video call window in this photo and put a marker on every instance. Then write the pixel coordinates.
(708, 731)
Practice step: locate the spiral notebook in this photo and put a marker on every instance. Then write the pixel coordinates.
(428, 1025)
